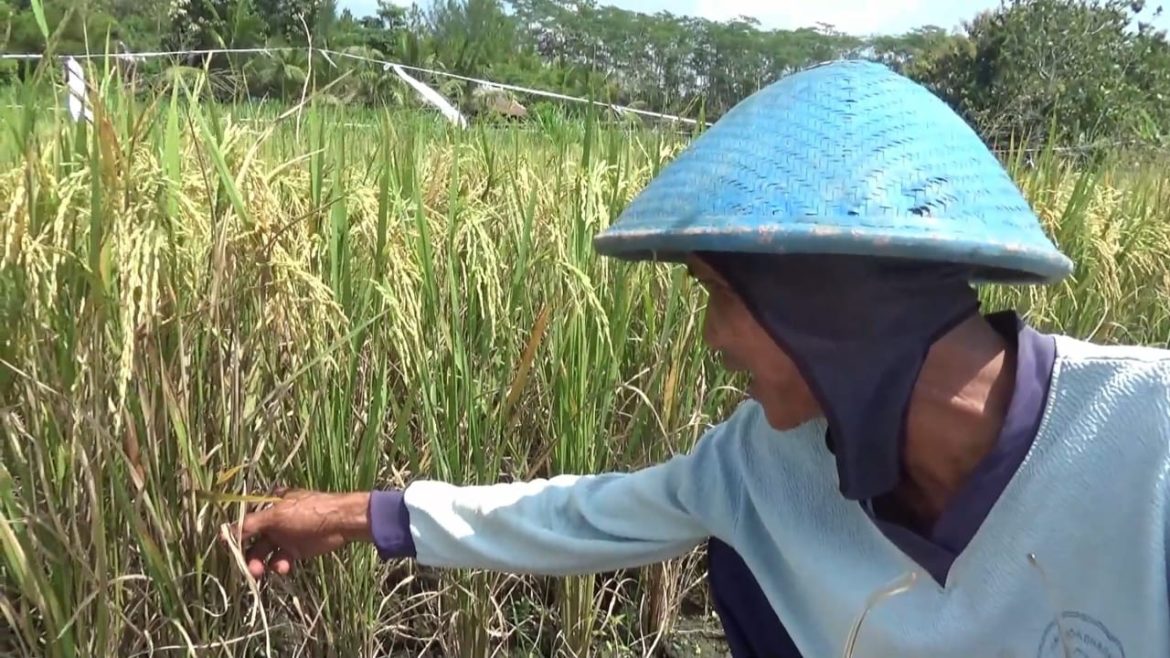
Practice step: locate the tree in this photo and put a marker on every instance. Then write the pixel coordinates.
(1076, 65)
(287, 20)
(79, 29)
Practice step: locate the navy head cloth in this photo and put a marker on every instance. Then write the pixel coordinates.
(859, 330)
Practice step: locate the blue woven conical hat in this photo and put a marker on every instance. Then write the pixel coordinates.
(843, 158)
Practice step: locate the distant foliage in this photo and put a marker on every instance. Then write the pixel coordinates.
(1084, 71)
(1079, 71)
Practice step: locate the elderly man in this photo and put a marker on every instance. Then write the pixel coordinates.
(838, 220)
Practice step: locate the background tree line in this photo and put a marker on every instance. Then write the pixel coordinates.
(1082, 71)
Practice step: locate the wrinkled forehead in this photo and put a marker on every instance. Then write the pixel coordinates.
(829, 285)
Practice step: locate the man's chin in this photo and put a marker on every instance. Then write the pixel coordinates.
(780, 417)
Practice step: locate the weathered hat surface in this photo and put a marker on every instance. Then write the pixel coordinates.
(843, 158)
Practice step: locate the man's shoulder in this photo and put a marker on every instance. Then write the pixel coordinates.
(1121, 382)
(1076, 350)
(1129, 366)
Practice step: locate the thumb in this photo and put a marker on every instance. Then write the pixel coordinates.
(254, 523)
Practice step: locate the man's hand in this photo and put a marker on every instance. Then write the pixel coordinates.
(301, 526)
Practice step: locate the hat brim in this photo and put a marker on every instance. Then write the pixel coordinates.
(991, 261)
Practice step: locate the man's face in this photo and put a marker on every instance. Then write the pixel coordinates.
(731, 331)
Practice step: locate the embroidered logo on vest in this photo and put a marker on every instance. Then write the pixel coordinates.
(1083, 636)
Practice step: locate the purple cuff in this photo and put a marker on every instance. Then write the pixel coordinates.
(390, 525)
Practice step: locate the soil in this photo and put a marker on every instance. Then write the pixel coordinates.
(695, 637)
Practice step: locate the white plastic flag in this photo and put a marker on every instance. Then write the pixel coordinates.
(433, 97)
(75, 82)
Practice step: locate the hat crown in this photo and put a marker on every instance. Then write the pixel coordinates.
(849, 158)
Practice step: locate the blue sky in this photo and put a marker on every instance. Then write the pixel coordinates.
(853, 16)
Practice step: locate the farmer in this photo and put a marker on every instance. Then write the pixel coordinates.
(1013, 483)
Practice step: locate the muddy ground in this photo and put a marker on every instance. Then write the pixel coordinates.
(695, 638)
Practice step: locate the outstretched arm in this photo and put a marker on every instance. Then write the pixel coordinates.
(569, 524)
(566, 524)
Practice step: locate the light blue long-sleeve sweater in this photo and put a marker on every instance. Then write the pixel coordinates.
(1075, 548)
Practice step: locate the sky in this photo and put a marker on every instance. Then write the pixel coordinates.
(860, 17)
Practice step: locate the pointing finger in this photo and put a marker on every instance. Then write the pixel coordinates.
(252, 525)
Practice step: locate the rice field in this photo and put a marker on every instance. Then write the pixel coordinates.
(199, 302)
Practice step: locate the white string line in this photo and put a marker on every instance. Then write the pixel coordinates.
(155, 53)
(528, 90)
(385, 63)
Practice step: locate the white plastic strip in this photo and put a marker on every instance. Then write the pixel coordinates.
(76, 98)
(433, 97)
(385, 65)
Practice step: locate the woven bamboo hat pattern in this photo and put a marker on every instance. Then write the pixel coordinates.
(843, 158)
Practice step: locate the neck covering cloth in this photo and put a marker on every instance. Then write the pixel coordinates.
(858, 329)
